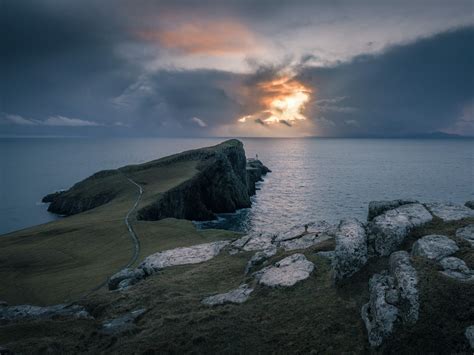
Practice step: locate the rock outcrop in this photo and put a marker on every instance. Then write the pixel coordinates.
(393, 299)
(388, 230)
(224, 182)
(450, 211)
(122, 324)
(286, 272)
(28, 312)
(376, 208)
(182, 256)
(239, 295)
(259, 258)
(350, 253)
(466, 233)
(469, 333)
(434, 247)
(457, 269)
(125, 278)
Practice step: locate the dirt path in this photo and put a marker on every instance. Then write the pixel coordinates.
(133, 235)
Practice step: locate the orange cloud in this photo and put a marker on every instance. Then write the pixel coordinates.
(204, 37)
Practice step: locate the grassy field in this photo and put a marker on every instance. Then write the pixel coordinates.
(311, 317)
(63, 260)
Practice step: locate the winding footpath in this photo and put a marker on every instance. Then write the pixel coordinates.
(133, 235)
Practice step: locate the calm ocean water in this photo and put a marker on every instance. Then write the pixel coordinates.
(312, 179)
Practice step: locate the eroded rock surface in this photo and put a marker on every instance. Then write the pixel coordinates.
(28, 312)
(434, 246)
(306, 241)
(131, 276)
(450, 211)
(259, 258)
(457, 269)
(286, 272)
(387, 231)
(259, 241)
(466, 233)
(469, 333)
(239, 295)
(295, 232)
(376, 208)
(378, 314)
(393, 298)
(123, 324)
(350, 253)
(406, 280)
(182, 256)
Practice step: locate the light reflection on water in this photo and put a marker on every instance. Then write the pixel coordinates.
(312, 179)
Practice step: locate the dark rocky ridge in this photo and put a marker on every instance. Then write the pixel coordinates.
(224, 183)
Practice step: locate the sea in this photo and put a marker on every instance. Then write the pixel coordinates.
(312, 178)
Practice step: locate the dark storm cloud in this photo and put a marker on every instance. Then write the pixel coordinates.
(420, 87)
(80, 66)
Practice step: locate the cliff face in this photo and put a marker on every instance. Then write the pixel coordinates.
(224, 182)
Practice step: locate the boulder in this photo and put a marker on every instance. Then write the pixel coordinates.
(125, 274)
(449, 211)
(319, 227)
(470, 204)
(182, 256)
(350, 253)
(388, 230)
(28, 312)
(122, 324)
(378, 315)
(303, 242)
(259, 241)
(286, 272)
(466, 233)
(434, 247)
(406, 283)
(469, 333)
(259, 258)
(456, 268)
(376, 208)
(239, 295)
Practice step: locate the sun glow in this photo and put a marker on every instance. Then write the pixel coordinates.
(283, 101)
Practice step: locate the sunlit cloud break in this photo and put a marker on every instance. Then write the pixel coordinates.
(283, 100)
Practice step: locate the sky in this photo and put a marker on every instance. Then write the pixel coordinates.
(278, 68)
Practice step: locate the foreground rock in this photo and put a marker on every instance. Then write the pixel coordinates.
(182, 256)
(28, 312)
(457, 269)
(434, 247)
(304, 242)
(450, 211)
(123, 324)
(378, 314)
(466, 233)
(125, 278)
(376, 208)
(388, 230)
(350, 253)
(286, 272)
(259, 258)
(239, 295)
(393, 298)
(469, 333)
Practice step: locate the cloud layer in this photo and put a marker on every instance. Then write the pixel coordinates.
(171, 68)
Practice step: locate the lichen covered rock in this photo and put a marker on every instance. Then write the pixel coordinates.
(457, 269)
(239, 295)
(125, 274)
(434, 247)
(450, 211)
(259, 258)
(388, 230)
(350, 253)
(466, 233)
(122, 324)
(286, 272)
(28, 312)
(182, 256)
(376, 208)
